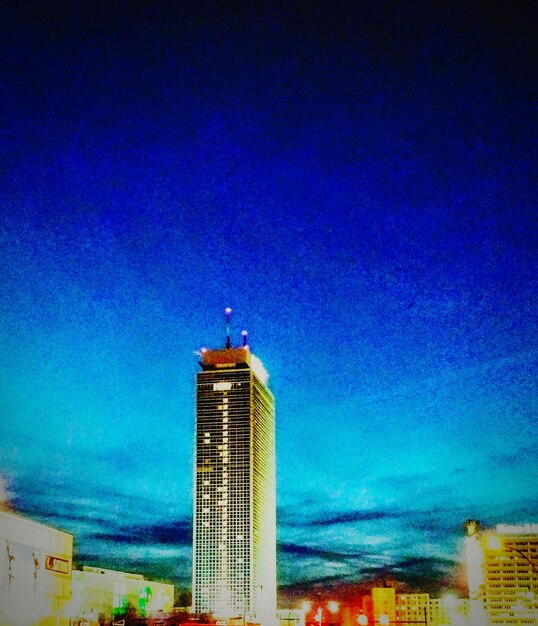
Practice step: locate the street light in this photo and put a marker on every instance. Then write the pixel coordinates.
(362, 619)
(384, 620)
(333, 606)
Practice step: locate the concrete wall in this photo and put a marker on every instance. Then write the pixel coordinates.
(35, 572)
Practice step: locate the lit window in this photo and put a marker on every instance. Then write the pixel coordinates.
(221, 386)
(225, 413)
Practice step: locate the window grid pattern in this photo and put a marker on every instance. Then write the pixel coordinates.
(234, 493)
(511, 581)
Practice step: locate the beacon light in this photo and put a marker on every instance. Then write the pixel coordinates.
(493, 542)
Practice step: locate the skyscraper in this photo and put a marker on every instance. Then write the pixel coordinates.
(234, 539)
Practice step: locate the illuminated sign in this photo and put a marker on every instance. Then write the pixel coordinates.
(56, 564)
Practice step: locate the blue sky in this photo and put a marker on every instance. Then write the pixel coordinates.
(358, 185)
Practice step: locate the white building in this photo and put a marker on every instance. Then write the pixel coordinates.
(234, 539)
(502, 571)
(35, 572)
(99, 593)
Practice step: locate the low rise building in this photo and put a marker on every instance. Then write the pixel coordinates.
(449, 611)
(384, 605)
(35, 572)
(101, 594)
(291, 617)
(413, 608)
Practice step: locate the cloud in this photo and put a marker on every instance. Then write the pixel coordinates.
(178, 533)
(168, 564)
(350, 517)
(307, 551)
(315, 514)
(427, 574)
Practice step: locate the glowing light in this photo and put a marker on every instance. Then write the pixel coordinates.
(333, 606)
(449, 600)
(222, 386)
(306, 606)
(362, 619)
(227, 310)
(384, 619)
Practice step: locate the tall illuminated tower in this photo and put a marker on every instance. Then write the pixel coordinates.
(234, 539)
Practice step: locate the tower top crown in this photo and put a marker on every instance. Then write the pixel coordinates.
(232, 357)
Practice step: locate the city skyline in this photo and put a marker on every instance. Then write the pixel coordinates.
(358, 185)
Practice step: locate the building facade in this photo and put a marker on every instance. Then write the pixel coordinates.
(99, 595)
(449, 611)
(234, 538)
(291, 617)
(502, 572)
(35, 572)
(413, 608)
(384, 604)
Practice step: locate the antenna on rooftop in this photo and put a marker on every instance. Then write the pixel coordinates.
(228, 313)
